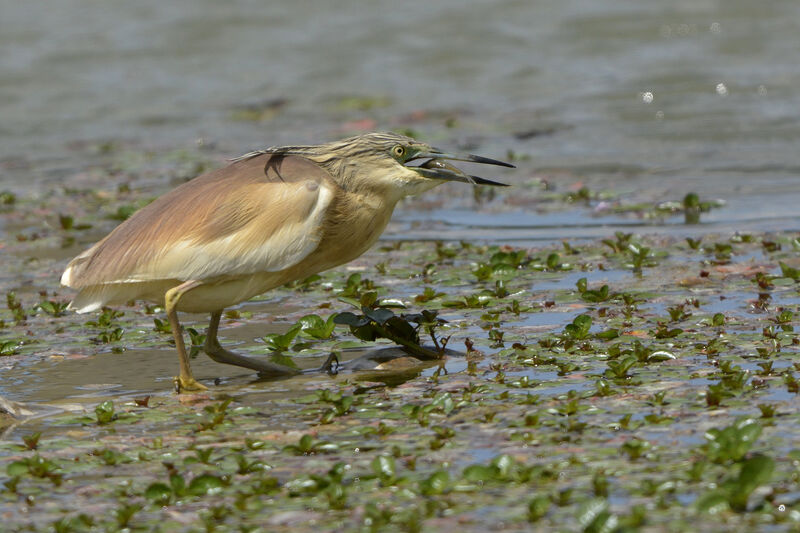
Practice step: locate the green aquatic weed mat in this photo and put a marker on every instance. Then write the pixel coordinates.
(597, 386)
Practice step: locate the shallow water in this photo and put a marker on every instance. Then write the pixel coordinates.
(757, 213)
(652, 98)
(639, 102)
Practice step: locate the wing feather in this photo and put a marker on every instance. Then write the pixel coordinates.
(256, 215)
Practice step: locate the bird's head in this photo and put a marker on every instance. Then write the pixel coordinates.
(390, 163)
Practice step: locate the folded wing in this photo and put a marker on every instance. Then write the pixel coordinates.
(260, 214)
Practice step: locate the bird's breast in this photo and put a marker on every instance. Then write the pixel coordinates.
(348, 231)
(354, 225)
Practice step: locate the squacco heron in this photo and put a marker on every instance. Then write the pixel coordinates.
(270, 217)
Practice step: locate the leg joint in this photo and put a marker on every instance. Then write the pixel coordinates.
(173, 295)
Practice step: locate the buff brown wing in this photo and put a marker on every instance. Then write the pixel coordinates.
(261, 214)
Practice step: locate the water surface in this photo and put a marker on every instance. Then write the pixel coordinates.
(651, 98)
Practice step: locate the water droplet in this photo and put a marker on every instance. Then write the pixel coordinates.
(647, 97)
(722, 90)
(659, 115)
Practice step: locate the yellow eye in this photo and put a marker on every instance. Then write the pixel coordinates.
(398, 151)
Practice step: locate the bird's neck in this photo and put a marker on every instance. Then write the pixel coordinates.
(354, 222)
(349, 175)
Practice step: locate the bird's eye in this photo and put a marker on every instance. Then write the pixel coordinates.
(398, 151)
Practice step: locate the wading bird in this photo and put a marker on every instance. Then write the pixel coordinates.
(270, 217)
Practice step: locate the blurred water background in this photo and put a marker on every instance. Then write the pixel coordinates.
(649, 98)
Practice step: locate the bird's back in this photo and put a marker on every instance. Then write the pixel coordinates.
(259, 214)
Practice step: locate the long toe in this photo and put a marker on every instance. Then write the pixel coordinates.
(330, 366)
(188, 385)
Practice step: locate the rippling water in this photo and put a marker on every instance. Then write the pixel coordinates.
(650, 98)
(654, 97)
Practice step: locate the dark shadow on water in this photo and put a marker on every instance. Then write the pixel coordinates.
(90, 380)
(390, 365)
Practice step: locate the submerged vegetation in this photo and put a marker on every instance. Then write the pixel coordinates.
(602, 385)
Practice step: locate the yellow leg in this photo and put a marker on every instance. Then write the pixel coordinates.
(185, 381)
(221, 355)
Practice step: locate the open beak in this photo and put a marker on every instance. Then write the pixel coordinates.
(438, 169)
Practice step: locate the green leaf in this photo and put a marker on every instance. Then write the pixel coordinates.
(607, 335)
(436, 483)
(713, 503)
(579, 328)
(789, 272)
(619, 369)
(428, 294)
(280, 359)
(594, 517)
(17, 468)
(349, 319)
(306, 443)
(479, 473)
(8, 347)
(504, 464)
(310, 322)
(158, 493)
(380, 315)
(314, 326)
(663, 332)
(399, 328)
(343, 345)
(661, 355)
(178, 484)
(161, 326)
(205, 484)
(123, 212)
(105, 412)
(553, 261)
(443, 401)
(384, 468)
(353, 302)
(368, 299)
(280, 342)
(733, 442)
(755, 472)
(365, 333)
(538, 507)
(595, 296)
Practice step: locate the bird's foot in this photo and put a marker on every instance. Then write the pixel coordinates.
(183, 384)
(330, 366)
